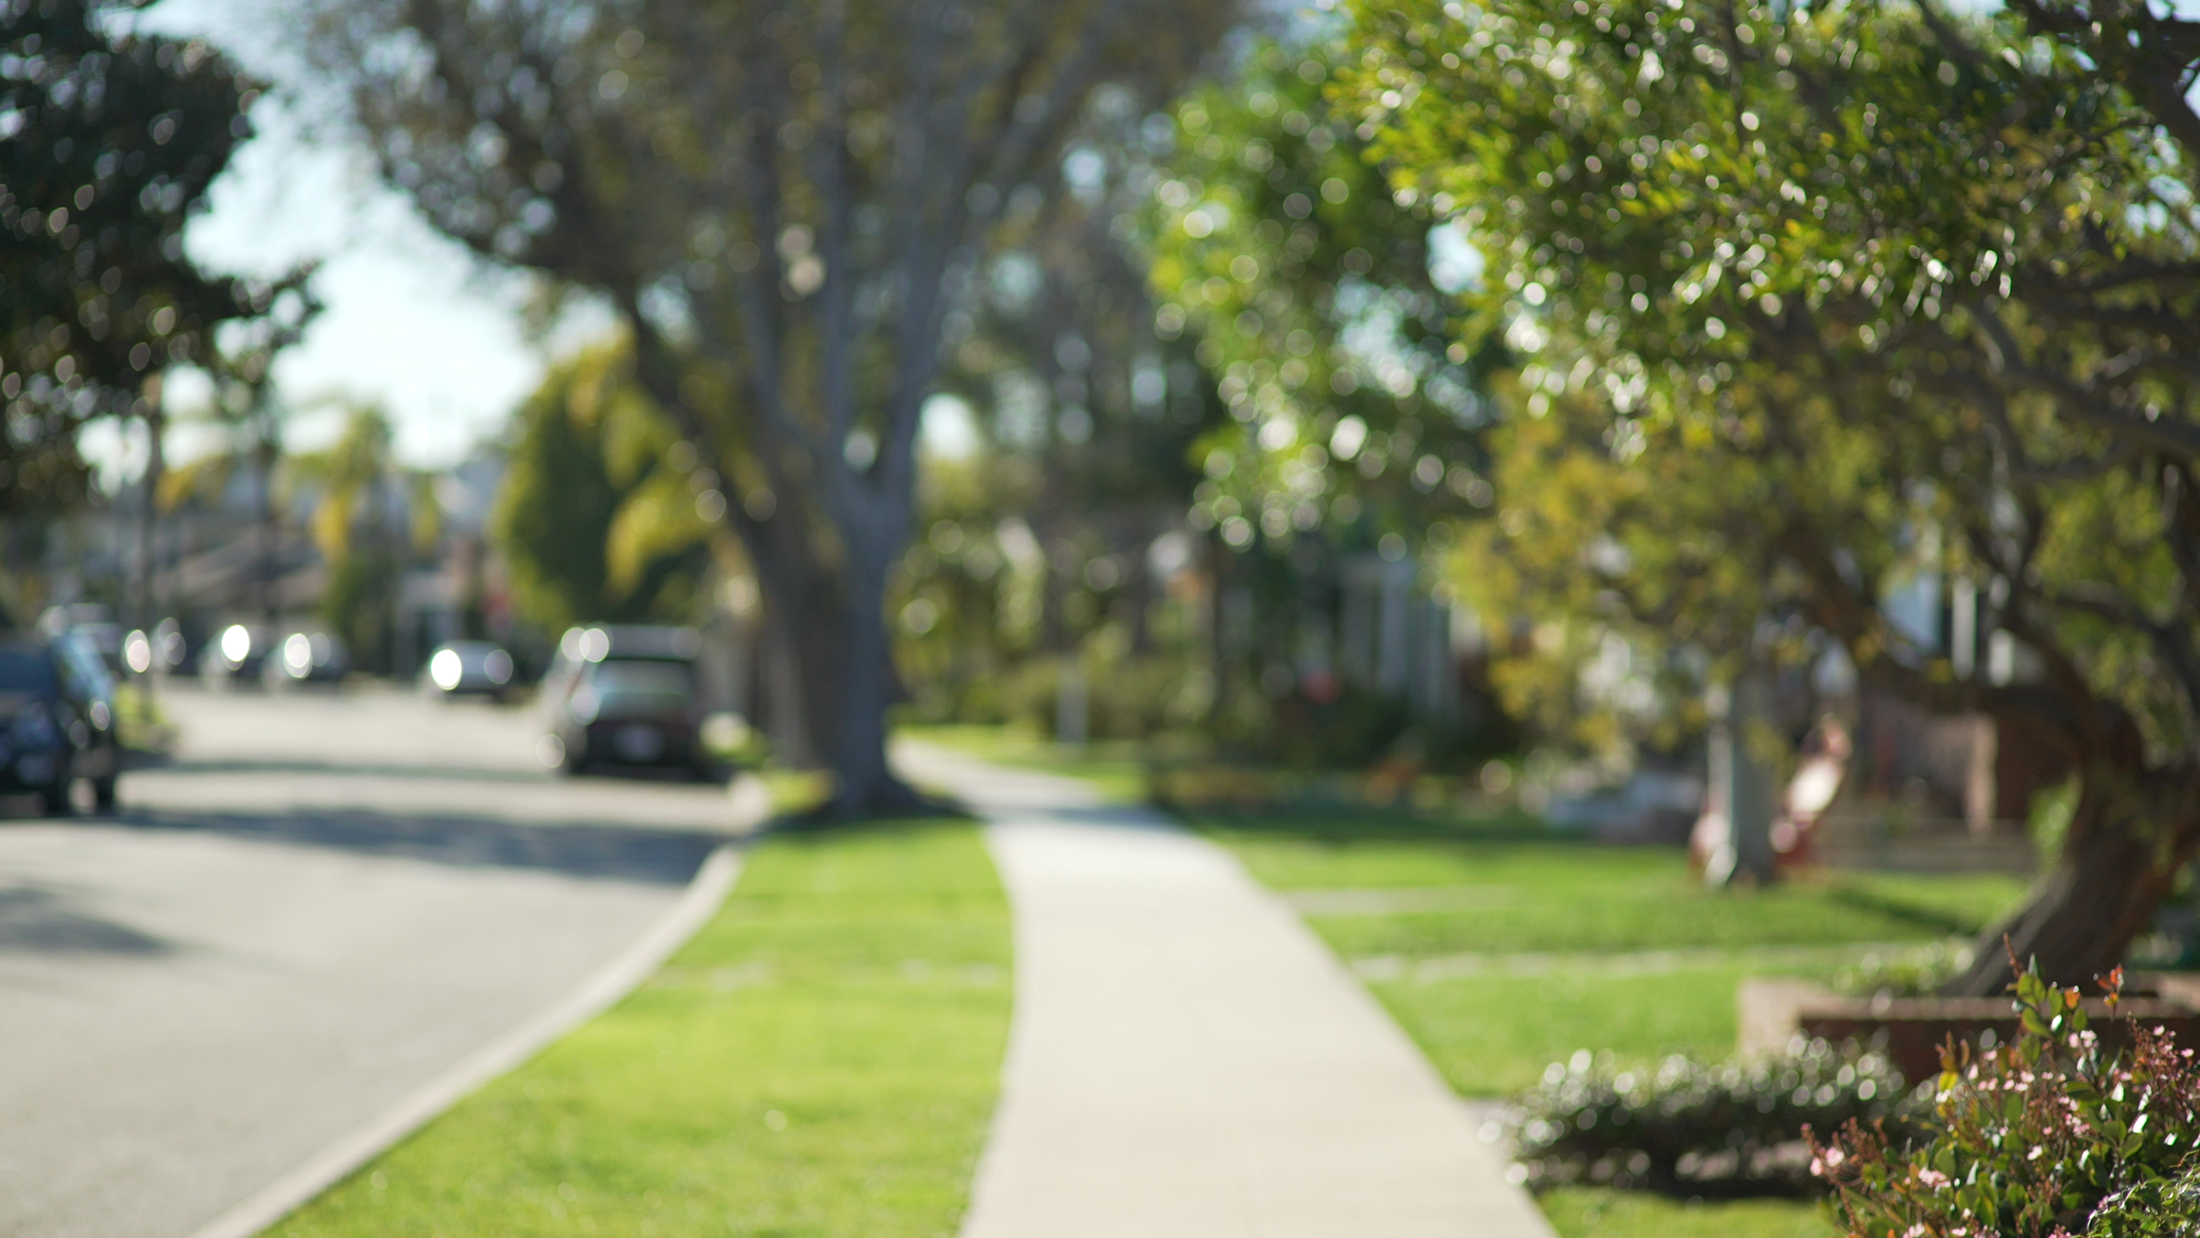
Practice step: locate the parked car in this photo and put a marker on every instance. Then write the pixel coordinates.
(171, 647)
(238, 654)
(94, 623)
(624, 696)
(306, 657)
(57, 720)
(467, 668)
(160, 652)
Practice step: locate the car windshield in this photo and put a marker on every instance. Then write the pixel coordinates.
(27, 670)
(84, 660)
(663, 680)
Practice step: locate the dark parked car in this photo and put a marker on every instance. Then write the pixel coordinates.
(57, 721)
(306, 657)
(91, 622)
(624, 696)
(467, 668)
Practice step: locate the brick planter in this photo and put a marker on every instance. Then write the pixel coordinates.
(1912, 1029)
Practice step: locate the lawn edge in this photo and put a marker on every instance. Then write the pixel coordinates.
(705, 893)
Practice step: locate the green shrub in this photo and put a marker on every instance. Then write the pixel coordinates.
(1125, 697)
(2049, 1136)
(2155, 1208)
(1689, 1127)
(1918, 971)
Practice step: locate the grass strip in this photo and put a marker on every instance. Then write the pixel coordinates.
(1638, 1019)
(821, 1060)
(1562, 894)
(1115, 768)
(1593, 1212)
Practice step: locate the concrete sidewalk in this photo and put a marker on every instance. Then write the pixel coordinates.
(1187, 1060)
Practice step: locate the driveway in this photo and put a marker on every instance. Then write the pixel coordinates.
(323, 903)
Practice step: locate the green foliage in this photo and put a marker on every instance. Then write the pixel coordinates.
(991, 608)
(110, 145)
(361, 525)
(1689, 1127)
(358, 604)
(1789, 286)
(1277, 245)
(1125, 697)
(595, 519)
(1916, 972)
(820, 1061)
(790, 301)
(2154, 1208)
(2049, 1134)
(2048, 818)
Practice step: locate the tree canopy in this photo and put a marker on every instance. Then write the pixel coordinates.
(1278, 248)
(782, 201)
(1810, 300)
(595, 518)
(108, 143)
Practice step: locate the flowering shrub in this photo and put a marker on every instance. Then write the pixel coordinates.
(1725, 1129)
(2049, 1136)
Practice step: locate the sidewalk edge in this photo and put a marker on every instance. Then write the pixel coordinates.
(709, 887)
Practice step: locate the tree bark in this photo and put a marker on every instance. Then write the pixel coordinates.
(825, 635)
(2130, 836)
(865, 782)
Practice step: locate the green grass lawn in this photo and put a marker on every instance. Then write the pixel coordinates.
(1579, 1212)
(1116, 769)
(821, 1060)
(1546, 1018)
(1612, 949)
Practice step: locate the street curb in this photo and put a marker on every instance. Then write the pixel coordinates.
(598, 993)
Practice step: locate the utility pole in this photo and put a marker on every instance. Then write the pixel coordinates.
(266, 450)
(148, 608)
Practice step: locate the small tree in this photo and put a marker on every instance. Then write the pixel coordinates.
(596, 523)
(1814, 299)
(364, 542)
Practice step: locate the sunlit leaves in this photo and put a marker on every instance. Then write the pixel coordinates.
(2066, 1128)
(1279, 246)
(602, 515)
(107, 144)
(1793, 284)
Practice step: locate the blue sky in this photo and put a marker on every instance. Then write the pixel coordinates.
(413, 323)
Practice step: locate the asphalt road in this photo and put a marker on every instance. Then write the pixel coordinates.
(321, 904)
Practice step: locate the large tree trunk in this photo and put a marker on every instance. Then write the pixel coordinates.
(864, 782)
(825, 633)
(783, 694)
(2130, 835)
(799, 635)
